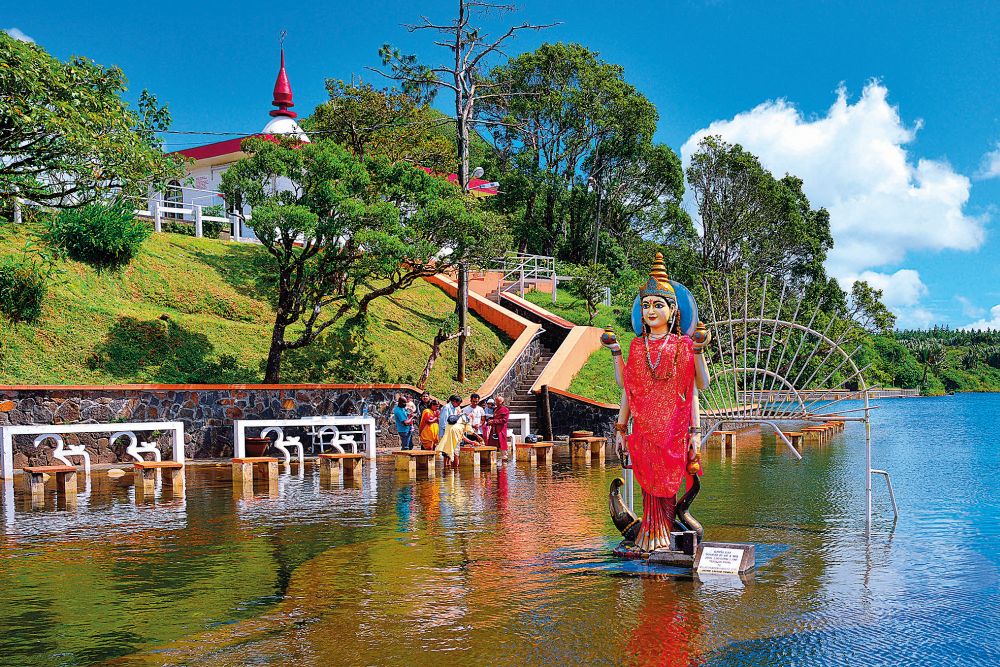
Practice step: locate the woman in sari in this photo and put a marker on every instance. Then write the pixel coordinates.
(664, 367)
(429, 425)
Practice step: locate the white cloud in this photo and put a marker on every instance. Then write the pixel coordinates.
(902, 288)
(883, 202)
(901, 292)
(992, 323)
(969, 309)
(990, 167)
(18, 35)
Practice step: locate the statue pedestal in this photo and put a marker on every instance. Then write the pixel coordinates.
(673, 558)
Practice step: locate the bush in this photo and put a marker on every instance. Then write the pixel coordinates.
(22, 290)
(98, 234)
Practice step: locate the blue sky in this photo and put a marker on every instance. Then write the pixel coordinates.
(888, 110)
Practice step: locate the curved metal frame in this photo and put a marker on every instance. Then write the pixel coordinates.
(807, 414)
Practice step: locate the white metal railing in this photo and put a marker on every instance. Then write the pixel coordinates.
(520, 268)
(186, 209)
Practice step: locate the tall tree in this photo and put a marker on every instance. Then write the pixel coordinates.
(564, 118)
(753, 221)
(342, 232)
(866, 308)
(471, 51)
(66, 135)
(370, 121)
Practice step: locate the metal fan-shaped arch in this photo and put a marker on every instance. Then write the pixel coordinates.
(778, 357)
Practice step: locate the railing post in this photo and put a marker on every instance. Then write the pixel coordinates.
(197, 220)
(154, 209)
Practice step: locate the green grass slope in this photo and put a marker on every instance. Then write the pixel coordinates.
(596, 379)
(197, 310)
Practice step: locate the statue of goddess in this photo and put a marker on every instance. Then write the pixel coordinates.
(665, 366)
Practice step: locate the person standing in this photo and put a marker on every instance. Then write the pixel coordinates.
(425, 402)
(498, 429)
(475, 412)
(429, 429)
(491, 406)
(452, 407)
(404, 424)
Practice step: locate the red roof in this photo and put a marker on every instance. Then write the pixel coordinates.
(475, 184)
(212, 150)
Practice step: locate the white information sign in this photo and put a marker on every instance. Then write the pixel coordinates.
(720, 560)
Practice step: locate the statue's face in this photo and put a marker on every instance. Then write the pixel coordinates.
(656, 313)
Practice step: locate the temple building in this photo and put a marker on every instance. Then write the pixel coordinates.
(196, 199)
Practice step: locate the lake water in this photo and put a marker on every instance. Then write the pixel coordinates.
(514, 567)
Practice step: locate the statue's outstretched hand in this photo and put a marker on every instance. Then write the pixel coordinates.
(701, 337)
(610, 340)
(621, 448)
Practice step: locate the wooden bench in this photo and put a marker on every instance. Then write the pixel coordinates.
(243, 467)
(535, 453)
(819, 432)
(408, 460)
(583, 449)
(331, 464)
(144, 474)
(34, 477)
(478, 457)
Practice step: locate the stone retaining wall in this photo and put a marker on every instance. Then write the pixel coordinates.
(207, 411)
(574, 413)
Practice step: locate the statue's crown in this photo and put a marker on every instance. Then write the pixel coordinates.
(659, 283)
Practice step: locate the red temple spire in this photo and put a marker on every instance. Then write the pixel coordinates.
(283, 92)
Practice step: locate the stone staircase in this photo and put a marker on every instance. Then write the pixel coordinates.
(523, 400)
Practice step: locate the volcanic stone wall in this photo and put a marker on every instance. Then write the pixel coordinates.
(207, 411)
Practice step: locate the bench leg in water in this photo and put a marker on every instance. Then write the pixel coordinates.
(406, 465)
(35, 482)
(175, 478)
(329, 469)
(353, 467)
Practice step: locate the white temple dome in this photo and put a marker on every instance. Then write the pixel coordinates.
(285, 125)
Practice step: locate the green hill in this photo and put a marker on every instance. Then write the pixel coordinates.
(197, 310)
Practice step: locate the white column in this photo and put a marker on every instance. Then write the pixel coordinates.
(197, 220)
(179, 443)
(154, 209)
(17, 211)
(7, 459)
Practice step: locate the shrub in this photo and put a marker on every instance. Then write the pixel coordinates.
(22, 290)
(98, 234)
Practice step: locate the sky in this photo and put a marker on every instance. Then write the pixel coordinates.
(889, 111)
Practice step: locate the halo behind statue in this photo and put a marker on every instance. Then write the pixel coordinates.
(685, 303)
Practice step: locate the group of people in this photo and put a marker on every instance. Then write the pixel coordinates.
(450, 427)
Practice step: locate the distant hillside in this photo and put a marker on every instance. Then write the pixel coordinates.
(195, 310)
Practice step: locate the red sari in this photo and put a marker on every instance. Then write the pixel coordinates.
(660, 404)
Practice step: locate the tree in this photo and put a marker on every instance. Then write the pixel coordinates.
(446, 332)
(470, 52)
(568, 120)
(590, 283)
(389, 122)
(342, 232)
(67, 137)
(866, 308)
(751, 220)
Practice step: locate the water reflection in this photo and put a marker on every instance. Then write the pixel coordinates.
(513, 566)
